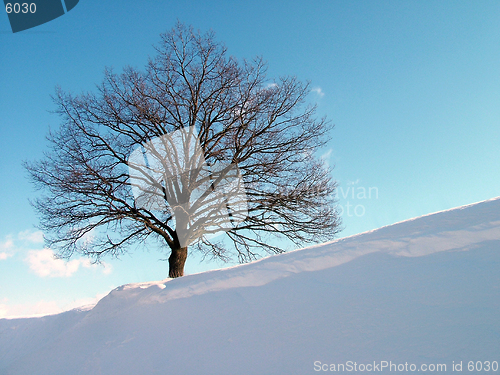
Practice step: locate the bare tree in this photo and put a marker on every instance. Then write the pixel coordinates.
(263, 127)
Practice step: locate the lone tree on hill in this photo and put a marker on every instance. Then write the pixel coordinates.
(192, 96)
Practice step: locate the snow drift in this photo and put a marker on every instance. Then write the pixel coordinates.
(423, 291)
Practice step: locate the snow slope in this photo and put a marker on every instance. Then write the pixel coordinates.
(423, 291)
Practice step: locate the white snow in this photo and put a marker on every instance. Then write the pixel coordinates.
(423, 291)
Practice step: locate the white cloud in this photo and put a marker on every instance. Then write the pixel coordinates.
(30, 236)
(4, 310)
(6, 249)
(45, 264)
(107, 268)
(4, 256)
(318, 91)
(7, 245)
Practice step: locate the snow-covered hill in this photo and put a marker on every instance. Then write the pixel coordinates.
(424, 292)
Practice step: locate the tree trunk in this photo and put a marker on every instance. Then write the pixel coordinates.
(176, 262)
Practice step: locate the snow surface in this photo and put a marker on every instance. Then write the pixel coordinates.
(423, 291)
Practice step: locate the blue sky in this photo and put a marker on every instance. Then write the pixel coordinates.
(413, 88)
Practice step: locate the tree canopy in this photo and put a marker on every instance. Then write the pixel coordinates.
(237, 116)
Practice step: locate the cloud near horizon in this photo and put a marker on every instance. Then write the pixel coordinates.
(44, 263)
(30, 236)
(41, 308)
(6, 249)
(4, 255)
